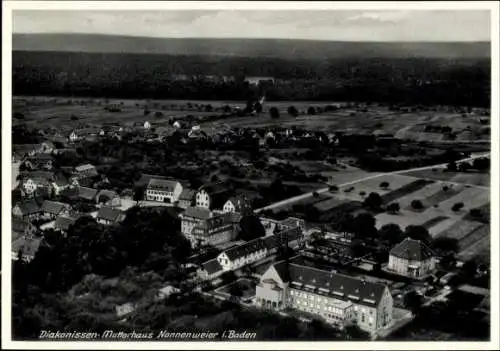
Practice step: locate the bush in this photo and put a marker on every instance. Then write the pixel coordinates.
(274, 112)
(292, 111)
(384, 185)
(333, 188)
(311, 110)
(417, 204)
(457, 207)
(393, 207)
(476, 213)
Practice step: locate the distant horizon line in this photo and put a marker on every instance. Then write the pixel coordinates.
(254, 38)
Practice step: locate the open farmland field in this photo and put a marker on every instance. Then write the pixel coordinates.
(472, 178)
(373, 185)
(480, 248)
(470, 197)
(59, 116)
(430, 196)
(460, 229)
(409, 188)
(370, 119)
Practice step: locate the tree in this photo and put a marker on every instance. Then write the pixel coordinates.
(457, 206)
(393, 208)
(333, 188)
(311, 110)
(391, 233)
(251, 228)
(292, 111)
(258, 107)
(417, 204)
(364, 225)
(418, 232)
(158, 114)
(235, 290)
(315, 194)
(373, 201)
(445, 188)
(445, 245)
(469, 269)
(452, 166)
(146, 112)
(384, 185)
(274, 112)
(413, 301)
(476, 213)
(448, 262)
(74, 118)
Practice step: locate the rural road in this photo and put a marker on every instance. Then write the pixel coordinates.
(319, 191)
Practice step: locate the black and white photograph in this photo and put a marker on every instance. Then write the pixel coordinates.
(243, 175)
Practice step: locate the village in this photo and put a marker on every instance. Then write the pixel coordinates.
(275, 255)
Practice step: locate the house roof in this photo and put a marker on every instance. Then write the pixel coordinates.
(333, 284)
(285, 236)
(197, 212)
(187, 194)
(63, 223)
(291, 222)
(61, 180)
(87, 168)
(411, 249)
(212, 266)
(86, 193)
(40, 175)
(25, 148)
(109, 214)
(19, 225)
(109, 193)
(28, 245)
(145, 178)
(40, 158)
(29, 207)
(215, 222)
(54, 207)
(245, 249)
(162, 184)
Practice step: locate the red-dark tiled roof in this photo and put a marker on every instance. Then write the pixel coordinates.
(410, 249)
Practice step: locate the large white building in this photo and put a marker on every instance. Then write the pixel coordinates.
(163, 190)
(411, 258)
(341, 300)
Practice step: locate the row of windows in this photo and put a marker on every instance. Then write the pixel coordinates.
(156, 192)
(335, 310)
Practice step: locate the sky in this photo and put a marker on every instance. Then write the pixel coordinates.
(335, 25)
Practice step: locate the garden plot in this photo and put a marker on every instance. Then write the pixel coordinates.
(409, 188)
(460, 229)
(470, 197)
(480, 248)
(366, 187)
(474, 236)
(426, 191)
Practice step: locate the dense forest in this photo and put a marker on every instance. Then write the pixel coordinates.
(400, 80)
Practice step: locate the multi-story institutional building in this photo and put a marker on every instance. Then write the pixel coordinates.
(341, 300)
(203, 227)
(411, 258)
(163, 190)
(257, 249)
